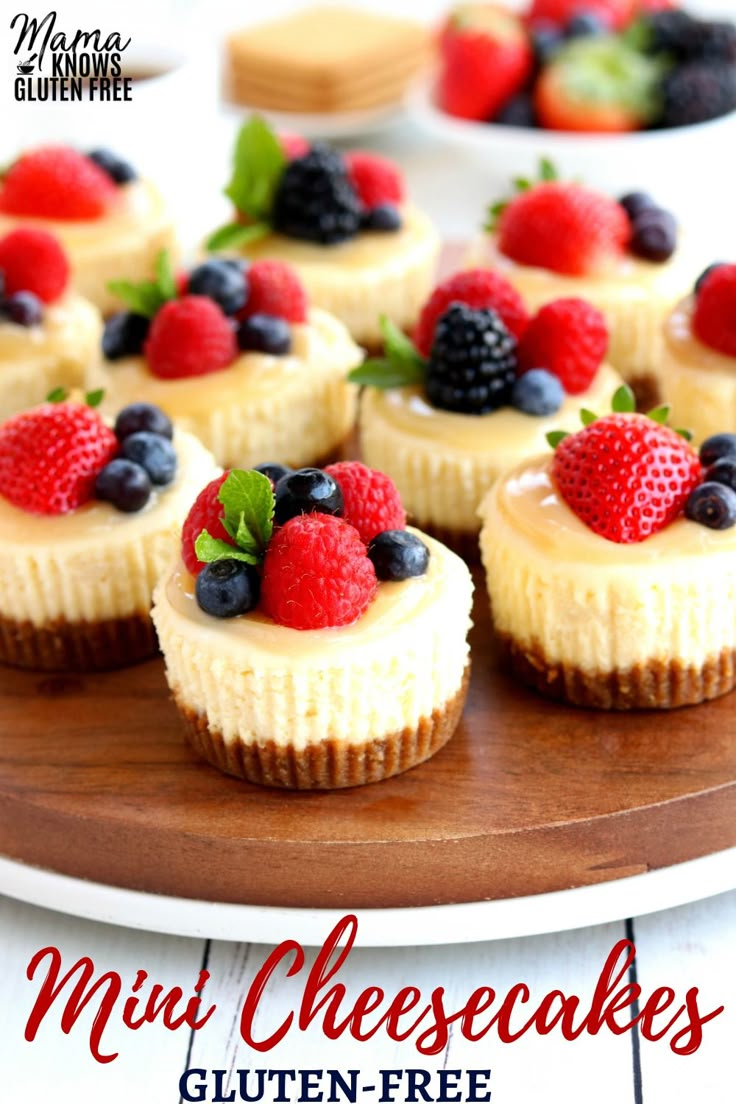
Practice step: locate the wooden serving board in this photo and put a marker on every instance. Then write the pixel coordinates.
(96, 781)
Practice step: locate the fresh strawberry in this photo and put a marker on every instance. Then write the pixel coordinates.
(626, 476)
(51, 455)
(598, 85)
(371, 502)
(275, 289)
(206, 513)
(32, 260)
(292, 144)
(616, 13)
(58, 183)
(714, 318)
(477, 288)
(486, 59)
(569, 338)
(316, 574)
(189, 337)
(566, 228)
(377, 180)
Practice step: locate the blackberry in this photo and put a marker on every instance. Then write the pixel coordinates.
(315, 200)
(518, 111)
(711, 40)
(669, 32)
(472, 366)
(696, 92)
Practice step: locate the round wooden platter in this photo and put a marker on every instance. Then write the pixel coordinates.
(529, 797)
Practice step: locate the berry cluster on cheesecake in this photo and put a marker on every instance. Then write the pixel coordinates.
(611, 564)
(89, 516)
(698, 374)
(311, 640)
(475, 392)
(555, 238)
(107, 219)
(49, 335)
(341, 220)
(234, 353)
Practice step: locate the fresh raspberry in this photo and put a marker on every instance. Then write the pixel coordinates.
(189, 337)
(376, 179)
(569, 338)
(51, 455)
(486, 59)
(275, 289)
(477, 288)
(33, 260)
(625, 476)
(714, 320)
(563, 227)
(182, 283)
(293, 145)
(206, 513)
(371, 502)
(316, 574)
(56, 182)
(616, 13)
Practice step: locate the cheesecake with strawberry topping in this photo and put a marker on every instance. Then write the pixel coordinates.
(49, 335)
(342, 221)
(556, 239)
(107, 219)
(89, 515)
(311, 640)
(235, 354)
(475, 392)
(699, 356)
(611, 564)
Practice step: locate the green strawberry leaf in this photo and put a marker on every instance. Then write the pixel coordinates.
(57, 395)
(209, 549)
(554, 438)
(148, 296)
(685, 433)
(236, 233)
(258, 164)
(547, 170)
(94, 398)
(587, 417)
(623, 401)
(400, 367)
(659, 414)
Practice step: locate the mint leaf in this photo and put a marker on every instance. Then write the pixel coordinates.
(94, 398)
(209, 549)
(401, 366)
(587, 417)
(258, 164)
(237, 233)
(554, 438)
(623, 401)
(148, 296)
(165, 279)
(247, 497)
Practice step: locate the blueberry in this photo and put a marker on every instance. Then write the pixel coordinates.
(654, 235)
(634, 203)
(723, 471)
(143, 416)
(385, 218)
(120, 171)
(227, 588)
(24, 308)
(585, 24)
(518, 111)
(124, 335)
(717, 447)
(537, 392)
(713, 505)
(273, 471)
(706, 273)
(306, 491)
(398, 555)
(221, 281)
(265, 333)
(155, 454)
(124, 484)
(546, 39)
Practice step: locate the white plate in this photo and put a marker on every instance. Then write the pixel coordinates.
(439, 924)
(337, 126)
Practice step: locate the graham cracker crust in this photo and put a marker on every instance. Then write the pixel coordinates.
(646, 391)
(77, 645)
(653, 685)
(465, 543)
(331, 764)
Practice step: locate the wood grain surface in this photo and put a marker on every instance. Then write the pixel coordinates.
(96, 781)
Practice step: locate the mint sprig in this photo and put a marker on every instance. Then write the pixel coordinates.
(258, 163)
(247, 500)
(148, 296)
(546, 172)
(402, 365)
